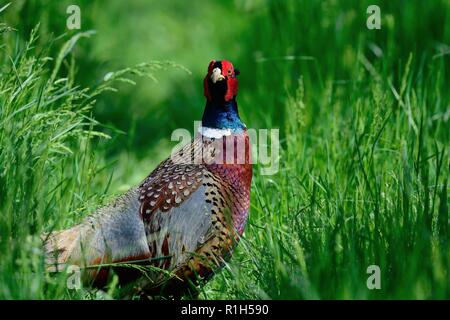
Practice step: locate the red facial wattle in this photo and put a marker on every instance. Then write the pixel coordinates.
(227, 70)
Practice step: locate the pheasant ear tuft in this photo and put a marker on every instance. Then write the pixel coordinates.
(237, 72)
(206, 92)
(211, 66)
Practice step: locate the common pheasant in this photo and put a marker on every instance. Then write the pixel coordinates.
(181, 224)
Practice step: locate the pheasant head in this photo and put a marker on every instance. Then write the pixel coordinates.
(220, 88)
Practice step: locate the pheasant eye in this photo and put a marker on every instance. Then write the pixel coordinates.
(229, 72)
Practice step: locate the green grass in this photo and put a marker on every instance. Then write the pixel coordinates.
(367, 188)
(48, 165)
(363, 117)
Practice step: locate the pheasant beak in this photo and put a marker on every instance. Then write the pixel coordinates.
(216, 75)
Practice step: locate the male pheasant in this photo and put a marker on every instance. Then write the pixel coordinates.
(184, 218)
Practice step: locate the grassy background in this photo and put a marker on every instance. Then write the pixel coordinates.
(363, 117)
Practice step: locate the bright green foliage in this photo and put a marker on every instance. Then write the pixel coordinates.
(363, 117)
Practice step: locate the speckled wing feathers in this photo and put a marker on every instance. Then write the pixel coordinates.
(173, 181)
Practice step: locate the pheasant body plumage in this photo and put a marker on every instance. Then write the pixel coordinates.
(186, 217)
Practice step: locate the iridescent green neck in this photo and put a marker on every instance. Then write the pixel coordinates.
(222, 115)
